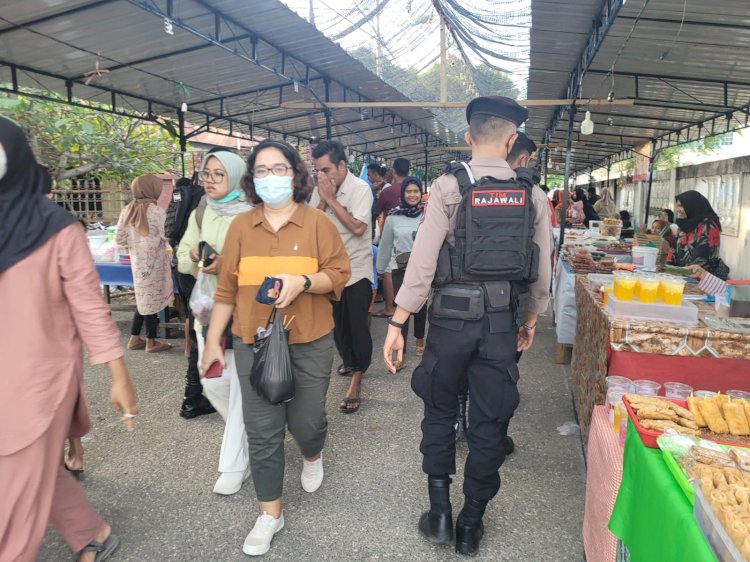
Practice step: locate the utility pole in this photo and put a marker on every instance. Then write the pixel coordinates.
(443, 62)
(312, 13)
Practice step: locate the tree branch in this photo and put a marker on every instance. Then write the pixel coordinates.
(73, 172)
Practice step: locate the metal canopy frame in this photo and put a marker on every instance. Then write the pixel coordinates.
(152, 73)
(687, 78)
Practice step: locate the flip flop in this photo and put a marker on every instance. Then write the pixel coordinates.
(74, 471)
(140, 345)
(346, 402)
(344, 371)
(103, 550)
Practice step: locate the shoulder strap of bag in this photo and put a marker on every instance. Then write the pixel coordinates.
(200, 210)
(463, 174)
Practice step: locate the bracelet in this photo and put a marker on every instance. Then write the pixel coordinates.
(529, 327)
(392, 322)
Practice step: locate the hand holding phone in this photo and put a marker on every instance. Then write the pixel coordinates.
(205, 251)
(269, 290)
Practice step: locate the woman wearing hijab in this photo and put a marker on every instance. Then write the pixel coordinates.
(589, 214)
(699, 237)
(395, 247)
(667, 216)
(141, 230)
(49, 287)
(209, 223)
(605, 206)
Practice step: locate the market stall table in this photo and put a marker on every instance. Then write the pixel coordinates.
(652, 515)
(121, 275)
(703, 358)
(603, 474)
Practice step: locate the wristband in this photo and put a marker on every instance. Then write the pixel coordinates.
(392, 322)
(529, 327)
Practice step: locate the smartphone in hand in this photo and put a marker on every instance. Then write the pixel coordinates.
(205, 251)
(269, 290)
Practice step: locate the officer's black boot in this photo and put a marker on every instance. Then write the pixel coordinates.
(469, 526)
(437, 524)
(461, 419)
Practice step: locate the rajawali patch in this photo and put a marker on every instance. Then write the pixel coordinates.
(498, 198)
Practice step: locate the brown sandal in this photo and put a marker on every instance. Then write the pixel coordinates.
(157, 347)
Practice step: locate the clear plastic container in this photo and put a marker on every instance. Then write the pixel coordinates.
(649, 289)
(677, 390)
(614, 398)
(713, 530)
(645, 387)
(597, 280)
(673, 289)
(739, 301)
(739, 394)
(704, 393)
(645, 256)
(624, 286)
(686, 313)
(615, 381)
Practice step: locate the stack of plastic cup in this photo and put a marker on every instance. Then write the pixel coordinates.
(673, 289)
(624, 285)
(646, 387)
(704, 393)
(677, 390)
(739, 394)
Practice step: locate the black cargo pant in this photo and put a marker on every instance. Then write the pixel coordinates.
(482, 354)
(351, 332)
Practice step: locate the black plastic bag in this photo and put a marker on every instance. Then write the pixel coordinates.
(271, 376)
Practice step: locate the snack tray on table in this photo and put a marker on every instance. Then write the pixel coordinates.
(685, 314)
(648, 436)
(713, 530)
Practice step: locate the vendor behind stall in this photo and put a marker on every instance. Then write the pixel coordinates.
(699, 237)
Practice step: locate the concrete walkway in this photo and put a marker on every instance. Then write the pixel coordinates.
(155, 485)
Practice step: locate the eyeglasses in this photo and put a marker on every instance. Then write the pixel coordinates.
(215, 177)
(276, 169)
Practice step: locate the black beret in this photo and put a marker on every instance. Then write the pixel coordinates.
(525, 143)
(497, 106)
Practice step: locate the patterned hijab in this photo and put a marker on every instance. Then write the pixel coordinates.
(146, 190)
(404, 209)
(27, 218)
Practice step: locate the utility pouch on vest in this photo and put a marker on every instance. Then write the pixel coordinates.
(461, 302)
(497, 296)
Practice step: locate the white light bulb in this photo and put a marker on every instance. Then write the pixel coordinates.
(183, 107)
(587, 126)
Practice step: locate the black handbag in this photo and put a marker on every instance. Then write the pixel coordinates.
(271, 376)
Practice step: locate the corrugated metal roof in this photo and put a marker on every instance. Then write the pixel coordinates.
(268, 55)
(685, 77)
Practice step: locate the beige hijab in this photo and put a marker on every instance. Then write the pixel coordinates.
(146, 190)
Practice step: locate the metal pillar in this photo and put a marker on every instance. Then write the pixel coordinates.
(327, 83)
(183, 138)
(546, 163)
(566, 182)
(426, 165)
(651, 166)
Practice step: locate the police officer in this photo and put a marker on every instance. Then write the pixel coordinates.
(473, 333)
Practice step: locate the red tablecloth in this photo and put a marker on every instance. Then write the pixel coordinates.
(702, 373)
(603, 475)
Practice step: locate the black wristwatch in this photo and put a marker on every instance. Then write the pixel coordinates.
(392, 322)
(308, 283)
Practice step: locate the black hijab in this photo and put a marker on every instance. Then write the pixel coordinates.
(404, 208)
(588, 208)
(27, 218)
(697, 209)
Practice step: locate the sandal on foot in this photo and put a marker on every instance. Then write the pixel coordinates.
(103, 550)
(140, 345)
(345, 408)
(344, 371)
(74, 471)
(157, 347)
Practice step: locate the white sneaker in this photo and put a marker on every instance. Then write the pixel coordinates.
(230, 482)
(259, 540)
(312, 474)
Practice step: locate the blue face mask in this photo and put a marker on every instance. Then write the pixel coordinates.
(274, 190)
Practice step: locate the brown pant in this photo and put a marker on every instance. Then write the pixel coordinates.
(37, 489)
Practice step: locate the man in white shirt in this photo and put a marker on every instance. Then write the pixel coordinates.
(347, 200)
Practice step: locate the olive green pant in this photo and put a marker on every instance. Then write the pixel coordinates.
(305, 415)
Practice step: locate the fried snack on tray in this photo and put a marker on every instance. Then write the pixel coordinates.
(720, 398)
(663, 425)
(712, 414)
(712, 458)
(741, 457)
(745, 549)
(734, 414)
(656, 413)
(693, 406)
(746, 407)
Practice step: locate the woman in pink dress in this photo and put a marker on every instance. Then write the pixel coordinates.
(49, 287)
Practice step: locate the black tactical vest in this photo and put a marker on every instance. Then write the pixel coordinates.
(494, 232)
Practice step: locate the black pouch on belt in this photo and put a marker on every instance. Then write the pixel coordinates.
(498, 295)
(461, 302)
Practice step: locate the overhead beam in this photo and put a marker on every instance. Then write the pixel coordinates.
(56, 15)
(696, 79)
(446, 105)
